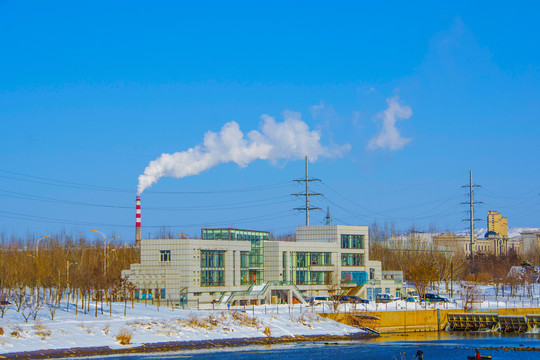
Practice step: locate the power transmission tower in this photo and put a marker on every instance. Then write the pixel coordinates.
(328, 218)
(307, 180)
(471, 218)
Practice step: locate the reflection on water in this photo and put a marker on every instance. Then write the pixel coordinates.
(440, 346)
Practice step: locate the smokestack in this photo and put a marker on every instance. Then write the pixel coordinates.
(138, 223)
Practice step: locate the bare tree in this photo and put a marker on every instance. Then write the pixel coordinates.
(471, 292)
(333, 287)
(5, 305)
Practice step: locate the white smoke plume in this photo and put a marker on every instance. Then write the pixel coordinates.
(290, 139)
(389, 137)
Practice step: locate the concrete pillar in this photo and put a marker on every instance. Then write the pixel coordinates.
(228, 268)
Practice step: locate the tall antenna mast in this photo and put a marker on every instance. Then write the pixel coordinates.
(471, 219)
(307, 194)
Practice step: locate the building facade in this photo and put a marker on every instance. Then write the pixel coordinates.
(531, 242)
(490, 244)
(497, 223)
(231, 265)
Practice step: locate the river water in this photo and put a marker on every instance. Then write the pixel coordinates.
(438, 346)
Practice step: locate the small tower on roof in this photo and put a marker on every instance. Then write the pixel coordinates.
(328, 217)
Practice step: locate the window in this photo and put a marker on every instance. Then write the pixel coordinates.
(244, 267)
(212, 268)
(301, 277)
(284, 270)
(352, 241)
(300, 259)
(165, 255)
(352, 259)
(354, 277)
(307, 259)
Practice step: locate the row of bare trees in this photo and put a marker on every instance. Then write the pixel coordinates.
(59, 268)
(427, 266)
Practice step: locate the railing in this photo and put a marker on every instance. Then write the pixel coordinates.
(353, 282)
(263, 290)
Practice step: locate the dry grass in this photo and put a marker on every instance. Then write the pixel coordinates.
(38, 325)
(1, 332)
(267, 331)
(106, 329)
(243, 319)
(42, 330)
(306, 320)
(16, 333)
(124, 336)
(208, 323)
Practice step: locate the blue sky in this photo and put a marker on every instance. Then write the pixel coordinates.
(90, 93)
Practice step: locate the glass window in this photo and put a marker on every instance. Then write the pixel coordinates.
(352, 241)
(354, 277)
(300, 277)
(165, 255)
(300, 259)
(212, 268)
(284, 269)
(352, 259)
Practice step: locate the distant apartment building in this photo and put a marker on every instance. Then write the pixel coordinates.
(497, 223)
(245, 266)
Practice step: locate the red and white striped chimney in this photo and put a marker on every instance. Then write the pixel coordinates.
(138, 222)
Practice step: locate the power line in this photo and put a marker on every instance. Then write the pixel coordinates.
(413, 218)
(231, 206)
(76, 185)
(20, 216)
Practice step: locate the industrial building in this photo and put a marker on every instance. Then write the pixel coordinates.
(231, 266)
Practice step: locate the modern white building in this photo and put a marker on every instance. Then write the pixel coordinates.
(231, 266)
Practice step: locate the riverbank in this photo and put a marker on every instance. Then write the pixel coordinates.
(144, 327)
(415, 320)
(179, 346)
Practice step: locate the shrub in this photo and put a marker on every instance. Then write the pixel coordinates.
(1, 332)
(267, 331)
(41, 330)
(106, 329)
(243, 319)
(204, 323)
(124, 336)
(38, 326)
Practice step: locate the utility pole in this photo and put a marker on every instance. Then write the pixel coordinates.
(307, 194)
(471, 219)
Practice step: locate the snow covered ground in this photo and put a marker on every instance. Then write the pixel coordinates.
(147, 325)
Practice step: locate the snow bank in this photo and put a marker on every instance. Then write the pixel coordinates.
(148, 325)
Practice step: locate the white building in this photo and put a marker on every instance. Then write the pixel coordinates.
(230, 266)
